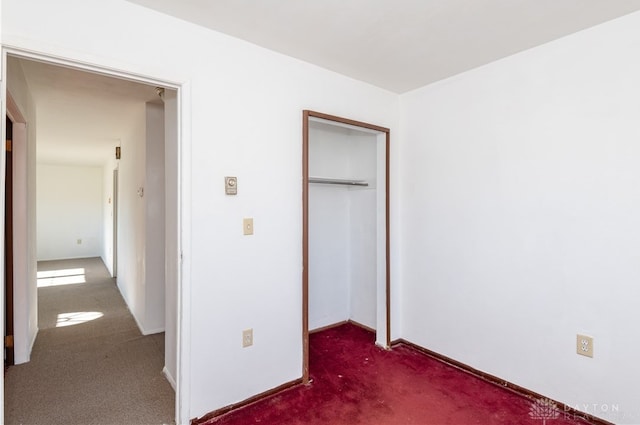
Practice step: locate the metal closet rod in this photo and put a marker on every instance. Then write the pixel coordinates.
(344, 182)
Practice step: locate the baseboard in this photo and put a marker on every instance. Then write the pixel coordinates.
(360, 325)
(21, 358)
(33, 341)
(141, 328)
(152, 331)
(340, 323)
(250, 400)
(354, 323)
(169, 377)
(521, 391)
(138, 324)
(324, 328)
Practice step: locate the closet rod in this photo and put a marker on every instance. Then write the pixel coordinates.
(338, 181)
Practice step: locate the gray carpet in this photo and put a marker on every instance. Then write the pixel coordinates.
(100, 371)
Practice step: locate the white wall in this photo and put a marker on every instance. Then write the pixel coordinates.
(69, 200)
(154, 273)
(520, 205)
(141, 218)
(243, 117)
(24, 205)
(363, 238)
(516, 193)
(329, 260)
(172, 237)
(108, 210)
(364, 230)
(342, 227)
(131, 215)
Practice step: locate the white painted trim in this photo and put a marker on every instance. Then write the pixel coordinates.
(135, 318)
(13, 111)
(170, 378)
(88, 67)
(32, 342)
(345, 125)
(141, 328)
(3, 112)
(152, 331)
(182, 383)
(381, 241)
(22, 263)
(183, 358)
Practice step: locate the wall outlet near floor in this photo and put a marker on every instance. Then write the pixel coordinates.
(584, 345)
(79, 241)
(247, 338)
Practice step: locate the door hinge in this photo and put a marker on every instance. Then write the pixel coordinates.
(8, 341)
(8, 146)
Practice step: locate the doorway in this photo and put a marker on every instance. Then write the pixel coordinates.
(114, 213)
(8, 246)
(171, 225)
(352, 157)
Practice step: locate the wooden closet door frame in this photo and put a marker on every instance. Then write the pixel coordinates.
(306, 115)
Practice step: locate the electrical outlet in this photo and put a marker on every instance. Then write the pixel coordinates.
(584, 345)
(79, 241)
(247, 338)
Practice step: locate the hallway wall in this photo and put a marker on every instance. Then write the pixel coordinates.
(154, 209)
(69, 214)
(108, 205)
(25, 291)
(131, 215)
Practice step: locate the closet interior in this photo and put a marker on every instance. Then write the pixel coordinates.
(347, 270)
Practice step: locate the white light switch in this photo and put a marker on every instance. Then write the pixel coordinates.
(247, 225)
(247, 338)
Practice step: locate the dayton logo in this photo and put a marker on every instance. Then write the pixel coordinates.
(544, 409)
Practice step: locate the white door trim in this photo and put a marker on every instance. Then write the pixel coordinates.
(183, 162)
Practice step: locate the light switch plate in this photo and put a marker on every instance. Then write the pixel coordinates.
(247, 338)
(247, 226)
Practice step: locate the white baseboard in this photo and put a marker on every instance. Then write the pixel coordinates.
(167, 375)
(141, 328)
(152, 331)
(20, 357)
(33, 341)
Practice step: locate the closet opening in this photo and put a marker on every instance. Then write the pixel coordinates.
(345, 246)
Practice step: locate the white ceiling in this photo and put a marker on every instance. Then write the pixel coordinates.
(81, 116)
(399, 45)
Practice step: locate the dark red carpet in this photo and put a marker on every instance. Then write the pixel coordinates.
(355, 382)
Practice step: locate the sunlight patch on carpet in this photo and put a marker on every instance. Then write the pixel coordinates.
(61, 277)
(77, 318)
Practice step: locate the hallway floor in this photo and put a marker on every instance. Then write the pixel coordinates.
(90, 364)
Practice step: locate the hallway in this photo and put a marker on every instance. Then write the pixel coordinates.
(90, 364)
